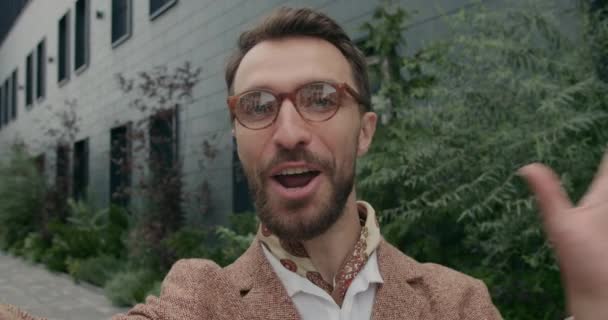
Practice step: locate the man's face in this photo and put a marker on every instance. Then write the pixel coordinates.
(301, 173)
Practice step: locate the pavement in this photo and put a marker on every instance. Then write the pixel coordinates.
(46, 294)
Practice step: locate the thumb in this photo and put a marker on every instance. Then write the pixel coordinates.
(550, 196)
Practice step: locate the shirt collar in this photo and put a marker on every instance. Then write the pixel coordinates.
(294, 283)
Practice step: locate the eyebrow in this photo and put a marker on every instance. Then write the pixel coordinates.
(267, 87)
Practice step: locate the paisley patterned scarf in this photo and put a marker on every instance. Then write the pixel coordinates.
(294, 257)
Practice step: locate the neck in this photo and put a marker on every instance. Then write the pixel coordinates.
(329, 250)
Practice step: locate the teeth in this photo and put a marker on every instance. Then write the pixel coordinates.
(292, 171)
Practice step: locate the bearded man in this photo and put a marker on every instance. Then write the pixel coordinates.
(300, 104)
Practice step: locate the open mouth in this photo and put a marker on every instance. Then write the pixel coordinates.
(295, 177)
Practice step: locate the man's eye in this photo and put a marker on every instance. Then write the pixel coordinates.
(257, 104)
(322, 103)
(259, 109)
(318, 97)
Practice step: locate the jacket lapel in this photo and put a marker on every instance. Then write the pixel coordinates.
(264, 297)
(262, 293)
(397, 297)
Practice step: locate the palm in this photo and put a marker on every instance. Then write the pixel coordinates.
(578, 233)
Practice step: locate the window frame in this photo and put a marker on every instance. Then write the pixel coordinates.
(1, 105)
(29, 80)
(155, 125)
(66, 47)
(8, 101)
(14, 110)
(78, 69)
(40, 70)
(128, 24)
(80, 169)
(62, 169)
(40, 162)
(124, 176)
(161, 10)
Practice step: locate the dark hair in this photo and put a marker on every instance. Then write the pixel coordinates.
(288, 22)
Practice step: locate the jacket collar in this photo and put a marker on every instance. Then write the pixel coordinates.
(261, 290)
(399, 296)
(265, 297)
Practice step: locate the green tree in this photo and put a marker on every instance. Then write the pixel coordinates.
(509, 87)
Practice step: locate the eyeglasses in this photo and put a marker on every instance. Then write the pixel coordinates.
(317, 101)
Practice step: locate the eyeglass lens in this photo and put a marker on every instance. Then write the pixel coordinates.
(315, 102)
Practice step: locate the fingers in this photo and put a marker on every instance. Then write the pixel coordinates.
(551, 197)
(598, 192)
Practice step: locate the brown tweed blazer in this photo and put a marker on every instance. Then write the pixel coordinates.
(249, 289)
(10, 312)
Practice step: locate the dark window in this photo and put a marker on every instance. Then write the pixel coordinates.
(14, 101)
(80, 174)
(29, 79)
(41, 70)
(157, 7)
(62, 181)
(63, 49)
(163, 142)
(120, 165)
(121, 21)
(1, 106)
(81, 34)
(164, 167)
(241, 201)
(40, 162)
(7, 102)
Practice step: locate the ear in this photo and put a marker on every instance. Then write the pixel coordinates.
(366, 132)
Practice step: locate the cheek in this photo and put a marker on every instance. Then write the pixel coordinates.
(250, 149)
(342, 144)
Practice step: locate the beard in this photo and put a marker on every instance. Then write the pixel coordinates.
(289, 222)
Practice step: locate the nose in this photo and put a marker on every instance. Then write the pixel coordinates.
(291, 130)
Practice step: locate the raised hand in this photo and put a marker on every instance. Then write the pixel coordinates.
(579, 235)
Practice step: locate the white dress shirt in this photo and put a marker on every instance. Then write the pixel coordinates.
(313, 303)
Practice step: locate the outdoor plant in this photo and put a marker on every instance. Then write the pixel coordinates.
(510, 87)
(22, 190)
(96, 270)
(126, 288)
(157, 96)
(88, 233)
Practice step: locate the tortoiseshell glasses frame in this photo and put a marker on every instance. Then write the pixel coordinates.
(318, 101)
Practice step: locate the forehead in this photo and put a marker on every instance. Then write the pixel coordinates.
(284, 64)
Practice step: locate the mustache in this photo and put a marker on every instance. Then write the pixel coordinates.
(297, 155)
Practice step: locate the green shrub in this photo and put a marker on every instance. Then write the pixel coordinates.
(34, 247)
(187, 243)
(95, 270)
(75, 242)
(230, 245)
(155, 289)
(87, 234)
(144, 248)
(22, 190)
(222, 245)
(510, 87)
(103, 230)
(243, 223)
(55, 257)
(127, 288)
